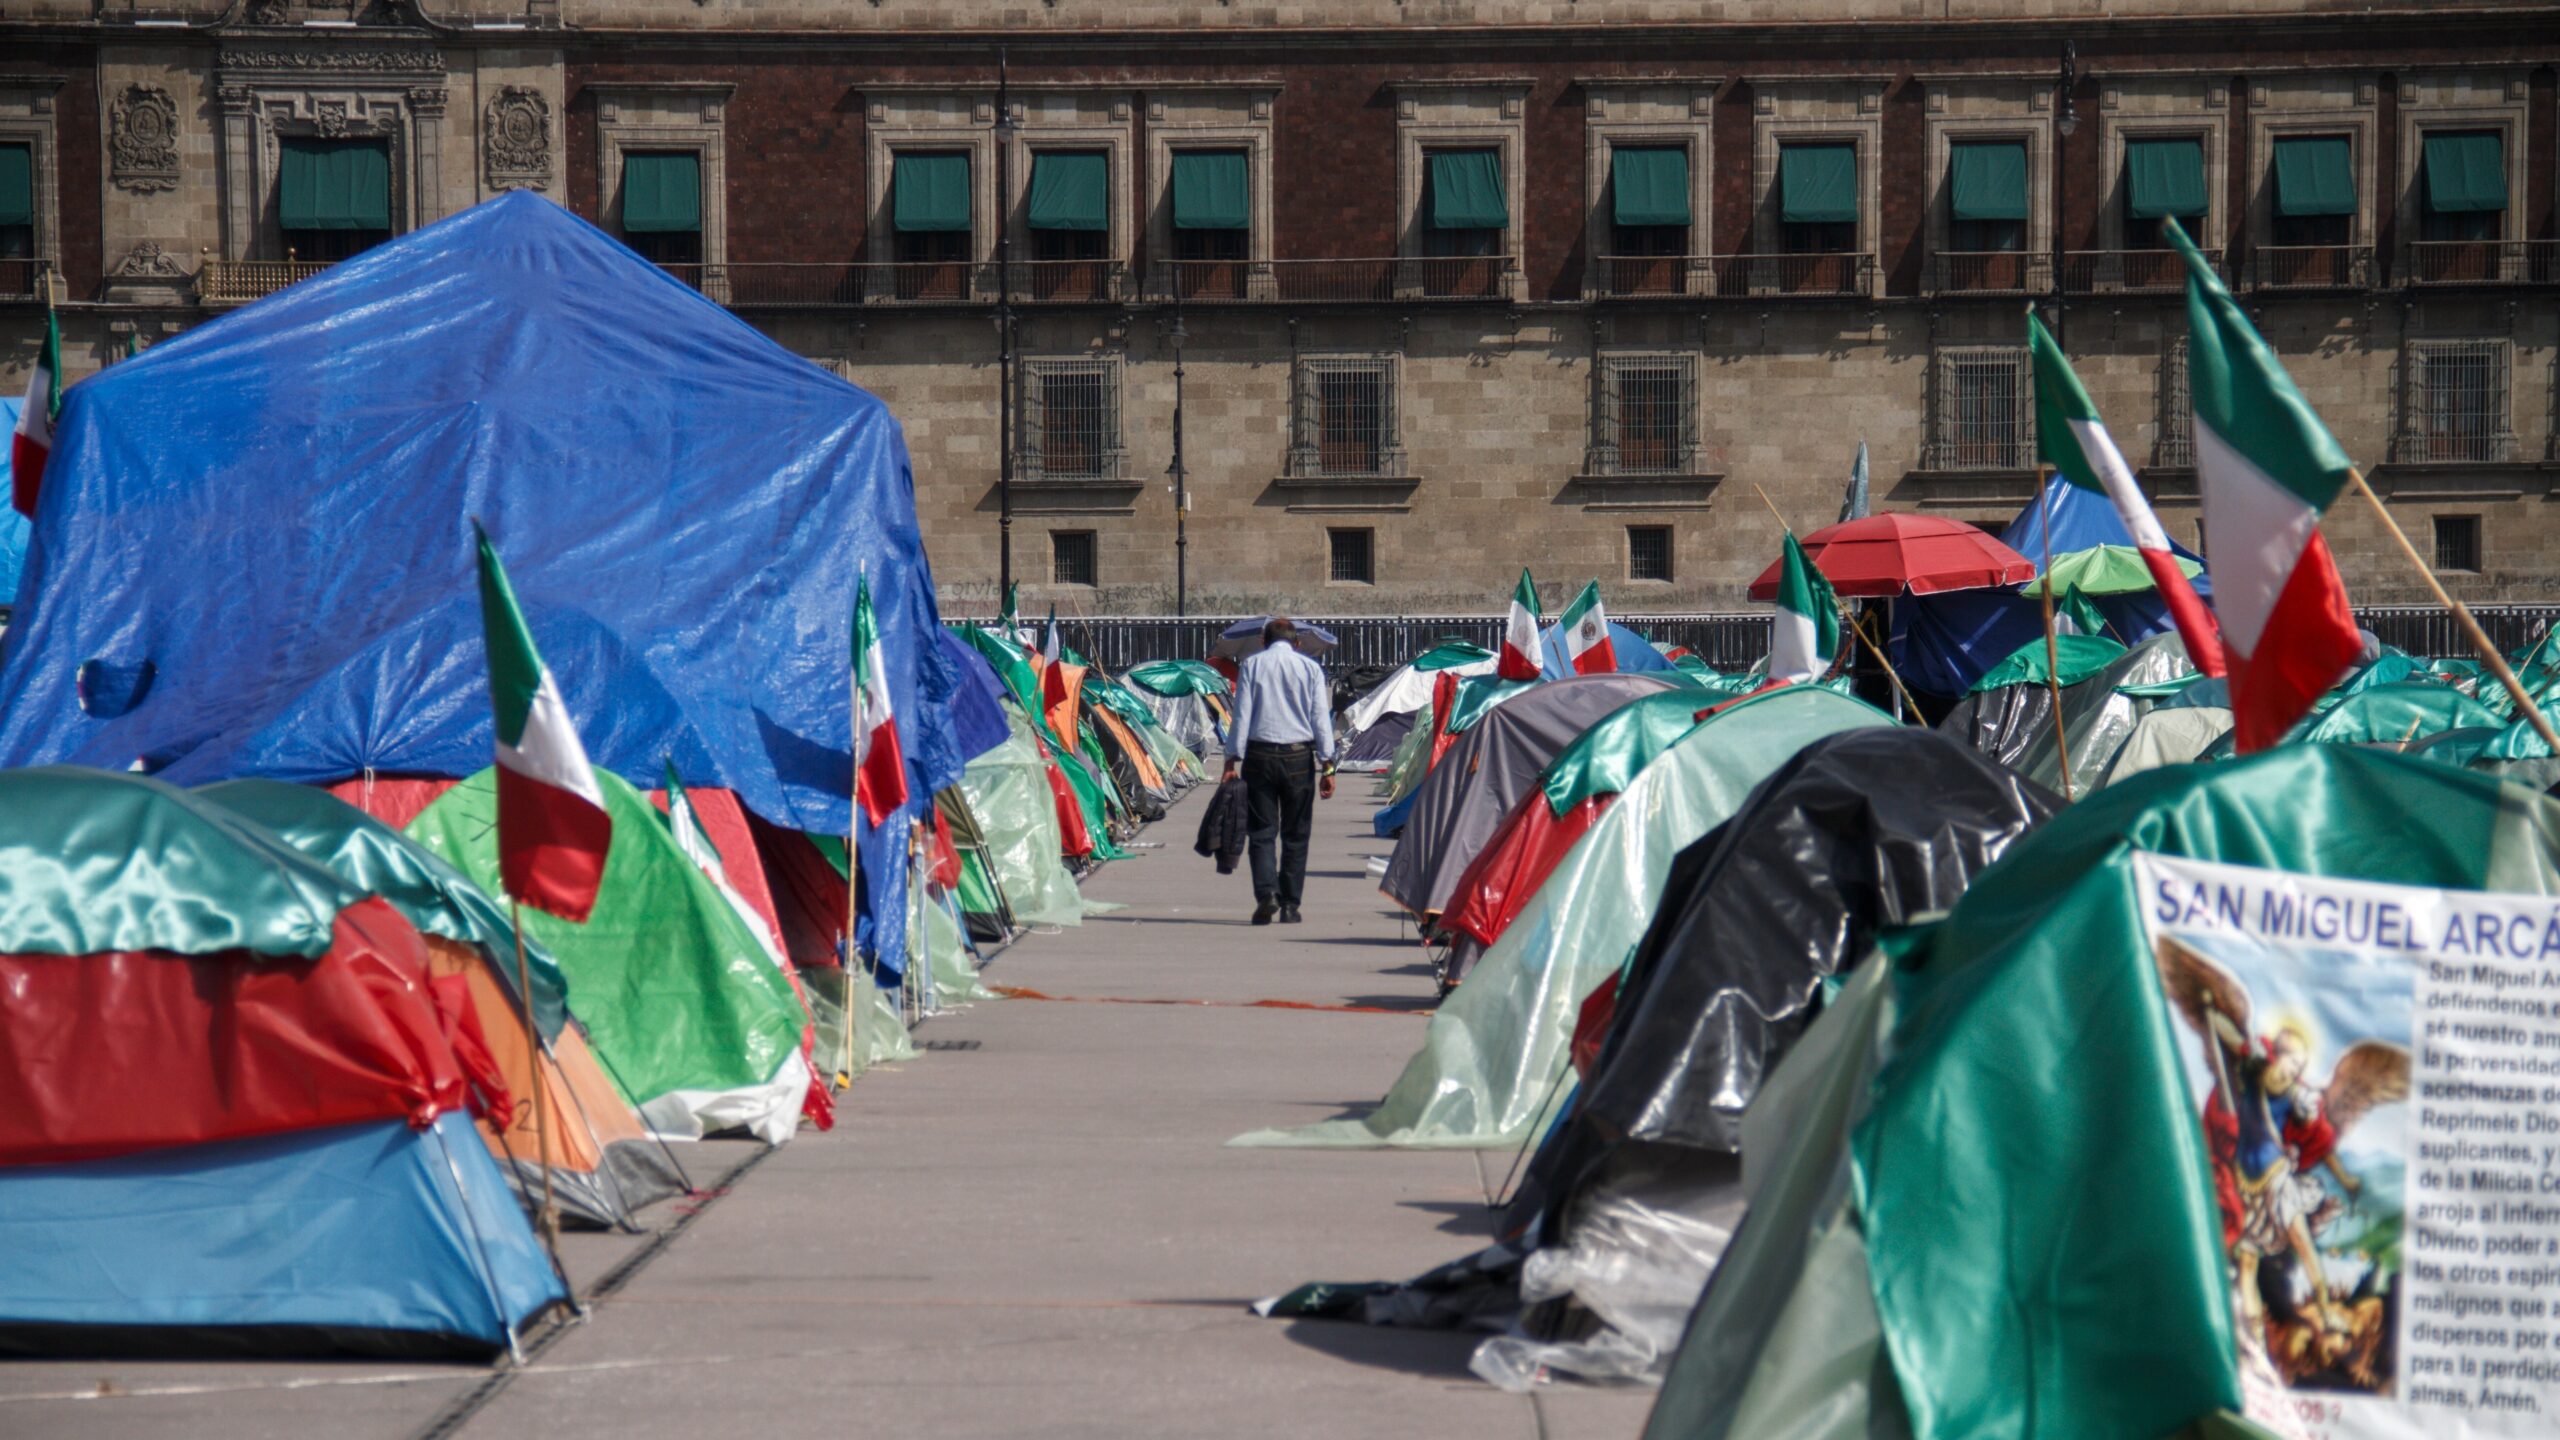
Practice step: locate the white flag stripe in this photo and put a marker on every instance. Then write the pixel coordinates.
(872, 701)
(2108, 461)
(2259, 530)
(1791, 647)
(551, 751)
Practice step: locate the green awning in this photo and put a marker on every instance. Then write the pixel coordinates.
(2315, 175)
(1650, 186)
(1211, 190)
(1817, 184)
(1987, 180)
(661, 192)
(334, 185)
(2164, 178)
(1466, 190)
(2466, 171)
(1070, 190)
(17, 184)
(930, 192)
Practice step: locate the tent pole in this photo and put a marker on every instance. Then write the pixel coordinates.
(2489, 655)
(853, 971)
(549, 1217)
(2052, 656)
(1847, 619)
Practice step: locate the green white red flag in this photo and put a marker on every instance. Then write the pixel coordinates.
(1805, 636)
(32, 443)
(2267, 468)
(879, 768)
(1519, 660)
(2074, 441)
(1583, 631)
(553, 829)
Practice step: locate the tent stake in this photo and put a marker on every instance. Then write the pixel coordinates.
(2489, 655)
(549, 1218)
(2052, 655)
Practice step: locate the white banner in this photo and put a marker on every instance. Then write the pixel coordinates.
(2377, 1072)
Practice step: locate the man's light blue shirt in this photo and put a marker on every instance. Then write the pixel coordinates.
(1282, 698)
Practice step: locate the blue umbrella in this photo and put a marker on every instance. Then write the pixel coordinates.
(1245, 636)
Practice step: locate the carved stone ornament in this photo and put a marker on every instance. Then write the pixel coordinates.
(403, 61)
(515, 135)
(142, 139)
(148, 261)
(330, 118)
(268, 12)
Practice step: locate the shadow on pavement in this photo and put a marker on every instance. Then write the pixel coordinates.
(1433, 1354)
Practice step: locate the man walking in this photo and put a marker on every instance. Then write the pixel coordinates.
(1283, 728)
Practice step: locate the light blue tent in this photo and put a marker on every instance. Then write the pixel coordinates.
(13, 526)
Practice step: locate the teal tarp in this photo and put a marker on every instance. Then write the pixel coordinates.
(661, 192)
(2466, 171)
(2315, 175)
(1070, 190)
(929, 192)
(17, 184)
(1987, 180)
(2164, 178)
(1649, 185)
(1466, 190)
(1817, 184)
(1211, 190)
(334, 185)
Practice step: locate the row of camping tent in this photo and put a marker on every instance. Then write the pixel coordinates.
(1842, 1089)
(272, 1073)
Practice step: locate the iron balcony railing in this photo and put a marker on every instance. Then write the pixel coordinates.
(1760, 276)
(237, 282)
(2484, 262)
(1638, 275)
(1990, 272)
(2312, 267)
(759, 284)
(2129, 272)
(1348, 281)
(22, 277)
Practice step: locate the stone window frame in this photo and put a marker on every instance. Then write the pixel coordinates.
(2292, 107)
(1032, 443)
(27, 118)
(2167, 105)
(1670, 555)
(1211, 117)
(1331, 534)
(1937, 453)
(1658, 113)
(2424, 107)
(1037, 126)
(2410, 439)
(1600, 460)
(1471, 114)
(1092, 556)
(651, 117)
(264, 95)
(2173, 446)
(943, 120)
(1815, 110)
(2032, 123)
(1305, 462)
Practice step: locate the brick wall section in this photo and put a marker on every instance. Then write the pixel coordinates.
(2542, 148)
(1902, 226)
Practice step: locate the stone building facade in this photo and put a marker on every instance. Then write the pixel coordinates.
(1454, 285)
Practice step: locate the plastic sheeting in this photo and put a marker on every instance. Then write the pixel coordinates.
(1187, 718)
(2169, 735)
(1008, 790)
(2014, 723)
(683, 505)
(1374, 748)
(1494, 1058)
(1406, 691)
(374, 1239)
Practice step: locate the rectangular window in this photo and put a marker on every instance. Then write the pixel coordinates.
(1069, 215)
(1211, 197)
(2458, 542)
(1985, 419)
(2463, 194)
(1645, 419)
(1351, 556)
(2456, 408)
(1071, 419)
(929, 211)
(1818, 198)
(17, 204)
(2163, 180)
(333, 197)
(662, 205)
(1649, 552)
(1346, 418)
(1987, 196)
(1071, 558)
(2315, 190)
(1464, 212)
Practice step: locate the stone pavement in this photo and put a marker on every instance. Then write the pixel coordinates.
(1031, 1230)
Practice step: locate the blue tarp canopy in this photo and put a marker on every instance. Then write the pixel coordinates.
(1943, 643)
(1635, 653)
(272, 513)
(13, 526)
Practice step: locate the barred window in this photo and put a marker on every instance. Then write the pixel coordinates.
(1071, 558)
(1071, 419)
(1649, 552)
(2175, 449)
(1644, 418)
(1345, 418)
(1352, 555)
(2454, 405)
(1985, 419)
(2458, 542)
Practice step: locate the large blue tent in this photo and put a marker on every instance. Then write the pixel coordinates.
(253, 553)
(13, 526)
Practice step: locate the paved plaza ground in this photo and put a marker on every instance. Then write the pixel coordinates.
(1032, 1229)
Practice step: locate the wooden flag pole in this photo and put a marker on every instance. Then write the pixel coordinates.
(853, 968)
(549, 1217)
(2489, 655)
(2052, 651)
(1849, 622)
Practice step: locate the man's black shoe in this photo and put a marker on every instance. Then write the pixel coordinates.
(1263, 912)
(1288, 914)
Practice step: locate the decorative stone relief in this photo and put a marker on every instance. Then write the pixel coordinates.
(147, 261)
(142, 139)
(427, 61)
(515, 135)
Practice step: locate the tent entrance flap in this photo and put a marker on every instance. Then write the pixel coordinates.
(661, 192)
(1817, 184)
(1211, 191)
(2466, 172)
(333, 185)
(2315, 175)
(1070, 190)
(1466, 190)
(1987, 180)
(2164, 178)
(1649, 186)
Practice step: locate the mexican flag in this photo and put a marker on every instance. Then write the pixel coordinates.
(879, 768)
(2267, 467)
(2074, 441)
(1054, 689)
(1520, 635)
(553, 830)
(2076, 614)
(34, 438)
(1807, 633)
(1583, 631)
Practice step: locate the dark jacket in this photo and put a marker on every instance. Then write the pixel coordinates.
(1222, 827)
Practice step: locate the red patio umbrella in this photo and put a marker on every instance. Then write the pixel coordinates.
(1898, 553)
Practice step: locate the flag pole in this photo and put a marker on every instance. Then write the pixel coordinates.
(1849, 621)
(2489, 655)
(549, 1217)
(2052, 651)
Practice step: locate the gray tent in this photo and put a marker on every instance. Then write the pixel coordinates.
(1492, 764)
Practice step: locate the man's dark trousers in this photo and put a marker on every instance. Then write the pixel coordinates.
(1280, 806)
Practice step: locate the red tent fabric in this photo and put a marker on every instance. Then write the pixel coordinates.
(1898, 553)
(1444, 701)
(1497, 884)
(140, 1050)
(396, 801)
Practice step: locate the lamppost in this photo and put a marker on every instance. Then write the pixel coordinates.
(1181, 479)
(2065, 120)
(1008, 386)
